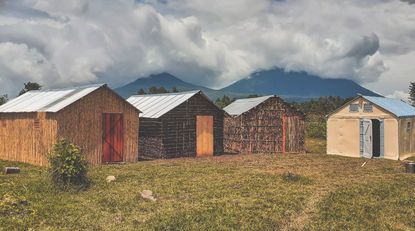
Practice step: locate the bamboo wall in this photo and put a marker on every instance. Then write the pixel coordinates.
(26, 137)
(260, 130)
(81, 123)
(178, 130)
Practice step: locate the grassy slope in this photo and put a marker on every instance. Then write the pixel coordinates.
(221, 193)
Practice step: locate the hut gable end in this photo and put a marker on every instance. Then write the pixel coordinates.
(346, 111)
(82, 123)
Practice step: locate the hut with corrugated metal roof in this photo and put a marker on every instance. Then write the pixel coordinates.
(184, 124)
(263, 125)
(372, 127)
(94, 117)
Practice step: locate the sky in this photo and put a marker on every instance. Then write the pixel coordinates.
(211, 43)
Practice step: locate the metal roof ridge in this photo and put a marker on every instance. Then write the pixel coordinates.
(166, 94)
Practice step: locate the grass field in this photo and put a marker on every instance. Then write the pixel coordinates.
(245, 192)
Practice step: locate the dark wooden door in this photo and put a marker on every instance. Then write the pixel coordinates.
(204, 136)
(112, 139)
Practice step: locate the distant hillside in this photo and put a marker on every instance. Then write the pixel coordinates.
(168, 81)
(293, 86)
(296, 85)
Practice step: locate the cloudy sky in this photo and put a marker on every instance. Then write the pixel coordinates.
(213, 43)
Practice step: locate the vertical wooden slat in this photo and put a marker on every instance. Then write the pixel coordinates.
(118, 138)
(106, 149)
(112, 137)
(204, 136)
(284, 133)
(121, 137)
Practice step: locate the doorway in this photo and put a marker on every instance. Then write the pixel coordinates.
(366, 134)
(375, 138)
(112, 138)
(371, 138)
(204, 136)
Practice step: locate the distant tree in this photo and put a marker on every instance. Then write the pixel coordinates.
(322, 105)
(174, 90)
(412, 93)
(253, 96)
(153, 90)
(156, 90)
(29, 86)
(3, 99)
(163, 90)
(141, 91)
(224, 101)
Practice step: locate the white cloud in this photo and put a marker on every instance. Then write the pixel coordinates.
(399, 95)
(206, 42)
(18, 63)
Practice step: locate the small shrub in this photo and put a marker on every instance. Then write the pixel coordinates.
(316, 130)
(68, 166)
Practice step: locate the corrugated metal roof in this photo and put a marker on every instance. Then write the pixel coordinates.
(156, 105)
(48, 100)
(241, 106)
(395, 106)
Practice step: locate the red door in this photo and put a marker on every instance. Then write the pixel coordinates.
(112, 139)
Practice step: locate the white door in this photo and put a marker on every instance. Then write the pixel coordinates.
(367, 139)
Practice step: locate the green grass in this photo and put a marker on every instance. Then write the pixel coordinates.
(245, 192)
(379, 205)
(412, 158)
(315, 145)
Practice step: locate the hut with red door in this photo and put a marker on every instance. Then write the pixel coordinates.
(94, 117)
(263, 125)
(183, 124)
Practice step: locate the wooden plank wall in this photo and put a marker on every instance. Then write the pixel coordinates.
(81, 123)
(178, 130)
(260, 130)
(26, 137)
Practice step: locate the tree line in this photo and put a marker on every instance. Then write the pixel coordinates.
(156, 90)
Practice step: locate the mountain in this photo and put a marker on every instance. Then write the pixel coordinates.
(293, 86)
(168, 81)
(296, 85)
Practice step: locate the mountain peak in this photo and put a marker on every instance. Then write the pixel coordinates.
(289, 85)
(296, 84)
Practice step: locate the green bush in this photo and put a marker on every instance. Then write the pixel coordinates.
(316, 130)
(68, 166)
